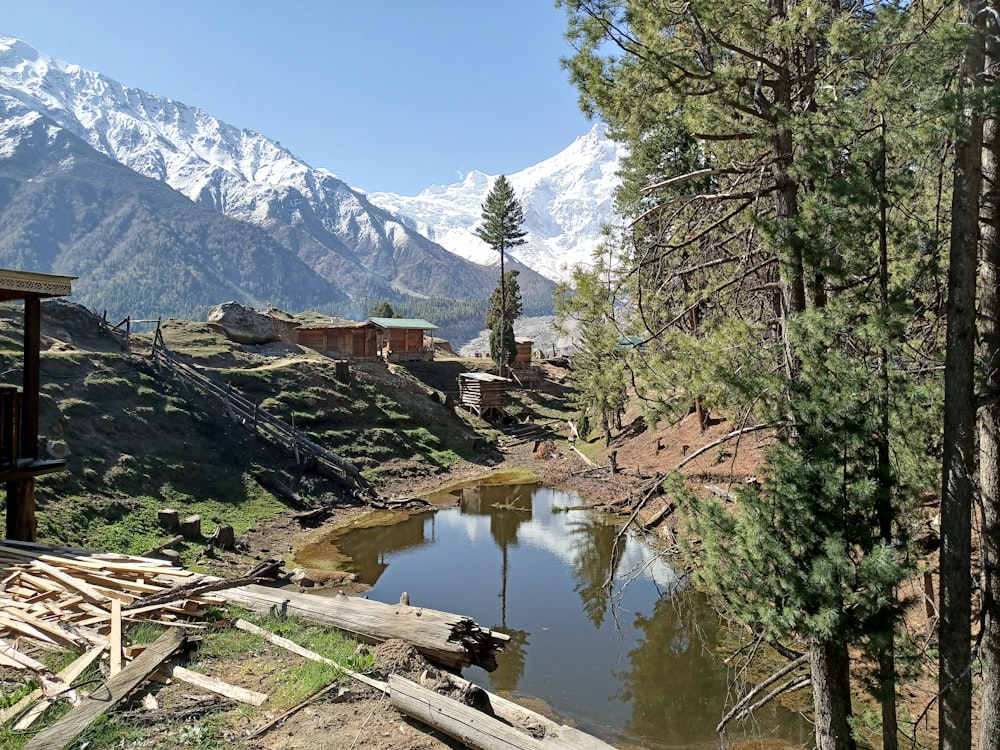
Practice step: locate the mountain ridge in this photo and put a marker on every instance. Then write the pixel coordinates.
(338, 247)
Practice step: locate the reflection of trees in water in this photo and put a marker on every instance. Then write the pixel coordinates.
(367, 548)
(676, 682)
(595, 565)
(510, 663)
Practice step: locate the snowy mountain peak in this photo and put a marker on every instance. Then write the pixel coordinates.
(336, 230)
(568, 199)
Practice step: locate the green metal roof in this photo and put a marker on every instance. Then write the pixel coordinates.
(417, 323)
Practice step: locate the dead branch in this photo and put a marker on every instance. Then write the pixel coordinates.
(741, 704)
(720, 441)
(190, 590)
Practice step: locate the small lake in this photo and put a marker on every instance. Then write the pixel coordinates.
(628, 657)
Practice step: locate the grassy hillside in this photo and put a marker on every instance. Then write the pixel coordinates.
(135, 440)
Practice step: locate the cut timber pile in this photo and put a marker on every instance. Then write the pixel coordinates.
(57, 597)
(451, 640)
(482, 393)
(65, 597)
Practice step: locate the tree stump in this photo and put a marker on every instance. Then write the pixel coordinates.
(169, 518)
(191, 527)
(224, 537)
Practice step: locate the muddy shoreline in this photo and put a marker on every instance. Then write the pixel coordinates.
(282, 537)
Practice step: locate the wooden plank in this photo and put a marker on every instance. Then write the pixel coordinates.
(67, 675)
(237, 693)
(18, 625)
(115, 642)
(64, 731)
(54, 632)
(40, 583)
(9, 662)
(74, 583)
(23, 659)
(302, 651)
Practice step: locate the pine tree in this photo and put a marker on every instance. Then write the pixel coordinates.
(504, 309)
(599, 374)
(501, 229)
(383, 310)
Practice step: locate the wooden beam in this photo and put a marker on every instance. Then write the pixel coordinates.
(115, 644)
(445, 638)
(474, 728)
(235, 692)
(30, 376)
(302, 651)
(104, 698)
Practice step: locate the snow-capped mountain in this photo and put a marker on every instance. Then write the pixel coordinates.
(334, 229)
(567, 200)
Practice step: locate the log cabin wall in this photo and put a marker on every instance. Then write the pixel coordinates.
(359, 341)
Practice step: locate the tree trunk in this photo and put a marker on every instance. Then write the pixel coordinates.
(989, 415)
(831, 680)
(958, 459)
(884, 508)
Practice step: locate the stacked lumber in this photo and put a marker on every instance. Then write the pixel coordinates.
(482, 393)
(69, 598)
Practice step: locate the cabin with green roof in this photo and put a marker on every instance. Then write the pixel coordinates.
(402, 339)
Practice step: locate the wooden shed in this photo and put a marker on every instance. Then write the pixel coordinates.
(341, 338)
(483, 394)
(20, 462)
(524, 348)
(402, 339)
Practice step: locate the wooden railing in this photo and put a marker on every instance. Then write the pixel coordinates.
(248, 414)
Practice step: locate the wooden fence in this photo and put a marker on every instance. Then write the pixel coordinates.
(248, 414)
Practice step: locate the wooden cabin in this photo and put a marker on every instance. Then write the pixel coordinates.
(341, 339)
(524, 349)
(20, 462)
(483, 394)
(402, 339)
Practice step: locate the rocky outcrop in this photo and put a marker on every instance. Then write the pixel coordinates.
(244, 325)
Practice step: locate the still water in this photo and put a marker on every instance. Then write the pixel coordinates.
(602, 630)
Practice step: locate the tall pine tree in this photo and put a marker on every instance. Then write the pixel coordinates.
(501, 229)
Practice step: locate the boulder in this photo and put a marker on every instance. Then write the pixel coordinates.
(244, 325)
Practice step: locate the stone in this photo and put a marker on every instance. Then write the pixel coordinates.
(244, 325)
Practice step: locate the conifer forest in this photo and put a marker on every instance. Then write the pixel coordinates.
(811, 244)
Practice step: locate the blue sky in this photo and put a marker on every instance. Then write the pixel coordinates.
(391, 95)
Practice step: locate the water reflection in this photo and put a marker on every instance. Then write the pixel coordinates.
(629, 662)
